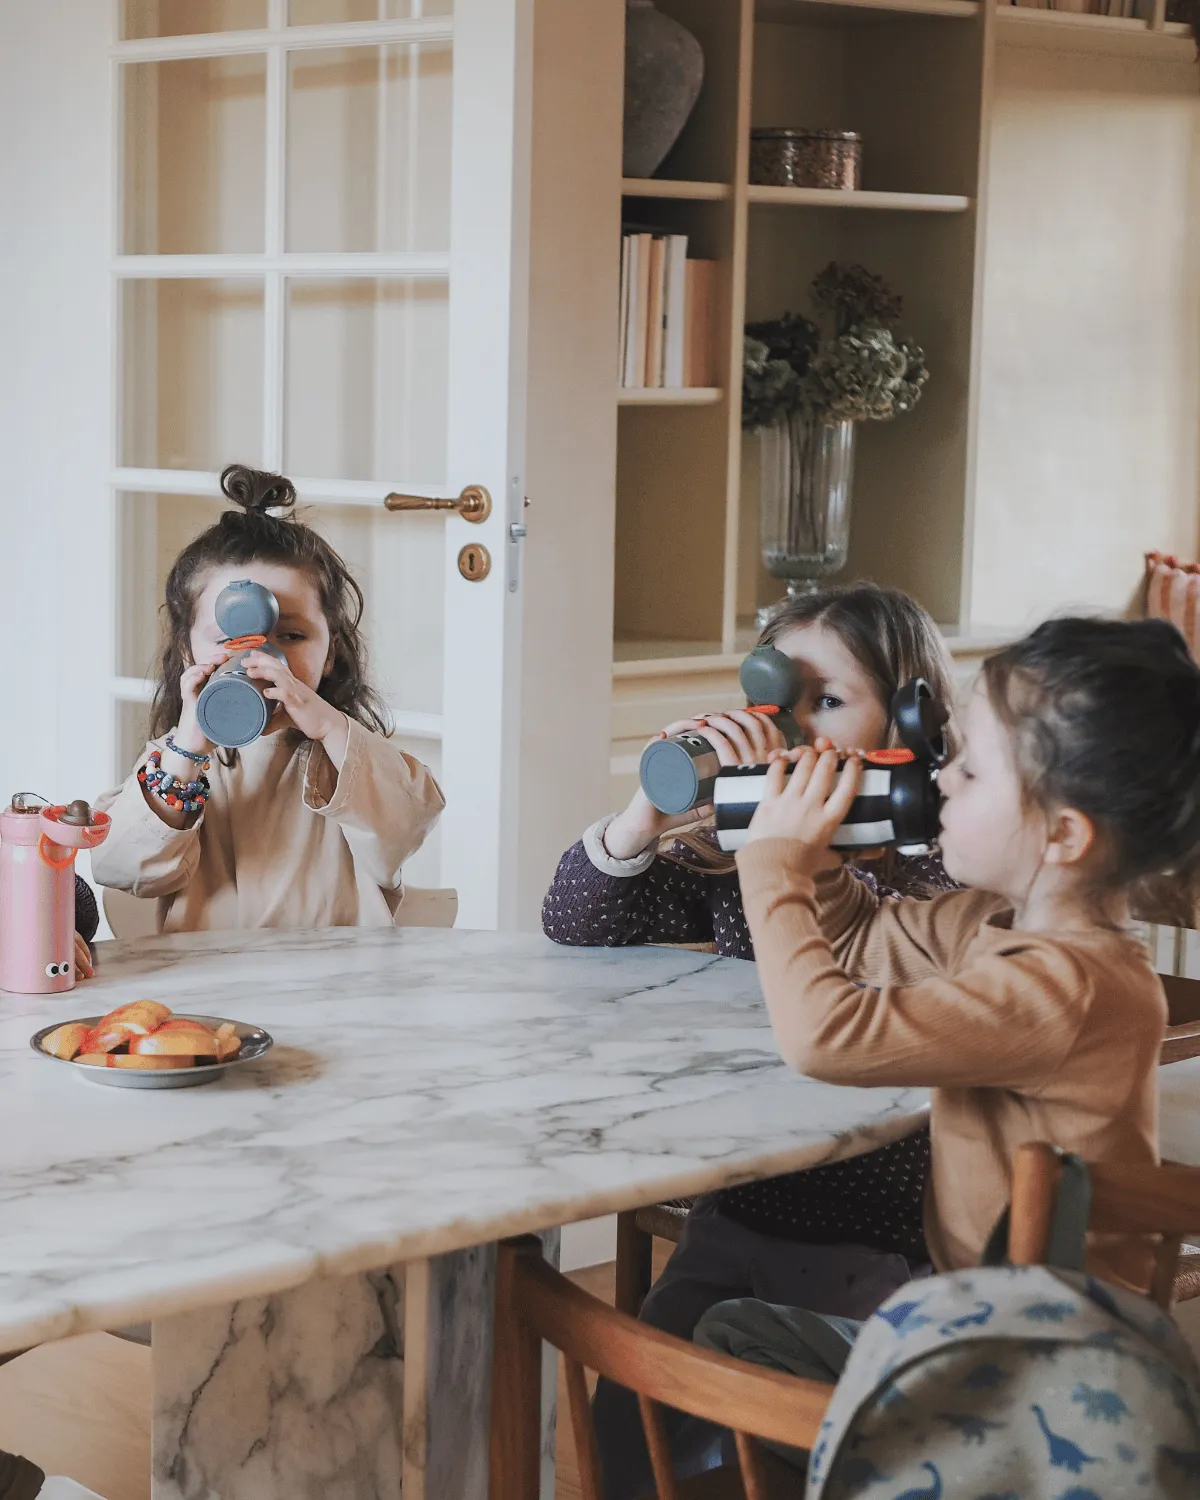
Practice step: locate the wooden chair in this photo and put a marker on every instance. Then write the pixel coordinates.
(534, 1302)
(1160, 1202)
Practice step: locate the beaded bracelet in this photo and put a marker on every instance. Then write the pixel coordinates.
(202, 760)
(183, 796)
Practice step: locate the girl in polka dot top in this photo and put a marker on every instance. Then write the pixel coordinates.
(837, 1238)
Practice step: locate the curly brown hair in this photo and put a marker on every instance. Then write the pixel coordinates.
(251, 533)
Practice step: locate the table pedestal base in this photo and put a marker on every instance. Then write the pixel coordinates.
(357, 1388)
(296, 1395)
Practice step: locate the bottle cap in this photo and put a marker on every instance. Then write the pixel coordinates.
(246, 608)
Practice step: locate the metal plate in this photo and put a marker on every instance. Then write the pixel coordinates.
(255, 1042)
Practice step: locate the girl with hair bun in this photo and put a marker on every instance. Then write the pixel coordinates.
(307, 826)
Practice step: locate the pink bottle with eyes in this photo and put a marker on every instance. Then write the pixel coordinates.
(38, 845)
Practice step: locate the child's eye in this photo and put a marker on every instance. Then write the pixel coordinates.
(827, 701)
(291, 635)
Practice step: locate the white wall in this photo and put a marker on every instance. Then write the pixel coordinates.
(54, 449)
(1090, 392)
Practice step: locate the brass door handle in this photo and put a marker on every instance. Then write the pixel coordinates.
(474, 504)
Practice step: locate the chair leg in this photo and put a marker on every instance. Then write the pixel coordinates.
(515, 1443)
(635, 1256)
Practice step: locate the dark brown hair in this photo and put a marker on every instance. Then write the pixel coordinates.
(886, 632)
(252, 534)
(890, 636)
(1105, 718)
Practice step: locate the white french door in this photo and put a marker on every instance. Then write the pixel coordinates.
(319, 267)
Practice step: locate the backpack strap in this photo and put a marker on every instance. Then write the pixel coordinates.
(1068, 1226)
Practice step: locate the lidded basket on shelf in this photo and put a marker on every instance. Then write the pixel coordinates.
(785, 156)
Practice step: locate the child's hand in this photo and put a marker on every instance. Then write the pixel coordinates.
(809, 805)
(308, 711)
(740, 738)
(189, 735)
(83, 958)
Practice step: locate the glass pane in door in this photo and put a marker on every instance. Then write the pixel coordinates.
(152, 530)
(192, 373)
(184, 17)
(195, 156)
(366, 380)
(398, 563)
(368, 148)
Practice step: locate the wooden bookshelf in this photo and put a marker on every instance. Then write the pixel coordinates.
(911, 203)
(1017, 163)
(1110, 36)
(690, 395)
(687, 192)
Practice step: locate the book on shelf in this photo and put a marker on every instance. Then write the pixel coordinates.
(1126, 9)
(667, 334)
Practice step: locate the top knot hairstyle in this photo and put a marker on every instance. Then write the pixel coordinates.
(252, 533)
(1105, 718)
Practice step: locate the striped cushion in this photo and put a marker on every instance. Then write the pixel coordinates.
(1173, 593)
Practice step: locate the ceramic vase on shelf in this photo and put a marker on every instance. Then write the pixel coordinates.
(664, 68)
(806, 470)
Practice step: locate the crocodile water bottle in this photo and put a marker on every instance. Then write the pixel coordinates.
(38, 845)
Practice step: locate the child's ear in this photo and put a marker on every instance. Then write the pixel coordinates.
(1071, 837)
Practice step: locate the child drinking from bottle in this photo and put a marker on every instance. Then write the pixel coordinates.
(1025, 1004)
(309, 825)
(842, 1237)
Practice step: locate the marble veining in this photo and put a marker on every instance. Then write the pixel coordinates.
(292, 1395)
(430, 1090)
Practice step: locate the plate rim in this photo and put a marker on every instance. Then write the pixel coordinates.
(212, 1070)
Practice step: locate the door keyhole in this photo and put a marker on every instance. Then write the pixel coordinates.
(474, 562)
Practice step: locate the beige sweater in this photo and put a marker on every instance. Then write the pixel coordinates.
(1022, 1036)
(285, 840)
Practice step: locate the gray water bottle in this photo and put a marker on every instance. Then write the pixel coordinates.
(679, 773)
(232, 710)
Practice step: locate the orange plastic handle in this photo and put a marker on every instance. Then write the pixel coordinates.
(44, 847)
(244, 642)
(888, 757)
(764, 708)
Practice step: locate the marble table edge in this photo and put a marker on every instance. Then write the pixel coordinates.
(62, 1320)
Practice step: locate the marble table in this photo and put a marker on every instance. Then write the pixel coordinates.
(312, 1236)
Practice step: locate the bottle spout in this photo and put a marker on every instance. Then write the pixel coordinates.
(78, 814)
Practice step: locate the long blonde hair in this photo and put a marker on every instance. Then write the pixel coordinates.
(891, 638)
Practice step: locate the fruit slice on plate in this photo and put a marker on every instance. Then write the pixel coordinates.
(115, 1060)
(108, 1036)
(177, 1038)
(66, 1041)
(228, 1042)
(139, 1016)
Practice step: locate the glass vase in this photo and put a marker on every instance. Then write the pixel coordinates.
(806, 470)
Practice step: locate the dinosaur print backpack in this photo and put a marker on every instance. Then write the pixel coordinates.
(1015, 1383)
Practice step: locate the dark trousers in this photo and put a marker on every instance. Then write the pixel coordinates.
(718, 1260)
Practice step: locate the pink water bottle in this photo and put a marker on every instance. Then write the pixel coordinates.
(38, 845)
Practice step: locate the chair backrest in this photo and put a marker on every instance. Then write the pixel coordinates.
(421, 907)
(1159, 1203)
(129, 916)
(534, 1302)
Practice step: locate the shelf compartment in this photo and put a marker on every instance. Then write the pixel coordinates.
(665, 187)
(842, 12)
(783, 197)
(688, 395)
(1113, 36)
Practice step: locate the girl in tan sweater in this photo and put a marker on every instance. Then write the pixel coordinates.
(307, 826)
(1024, 1003)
